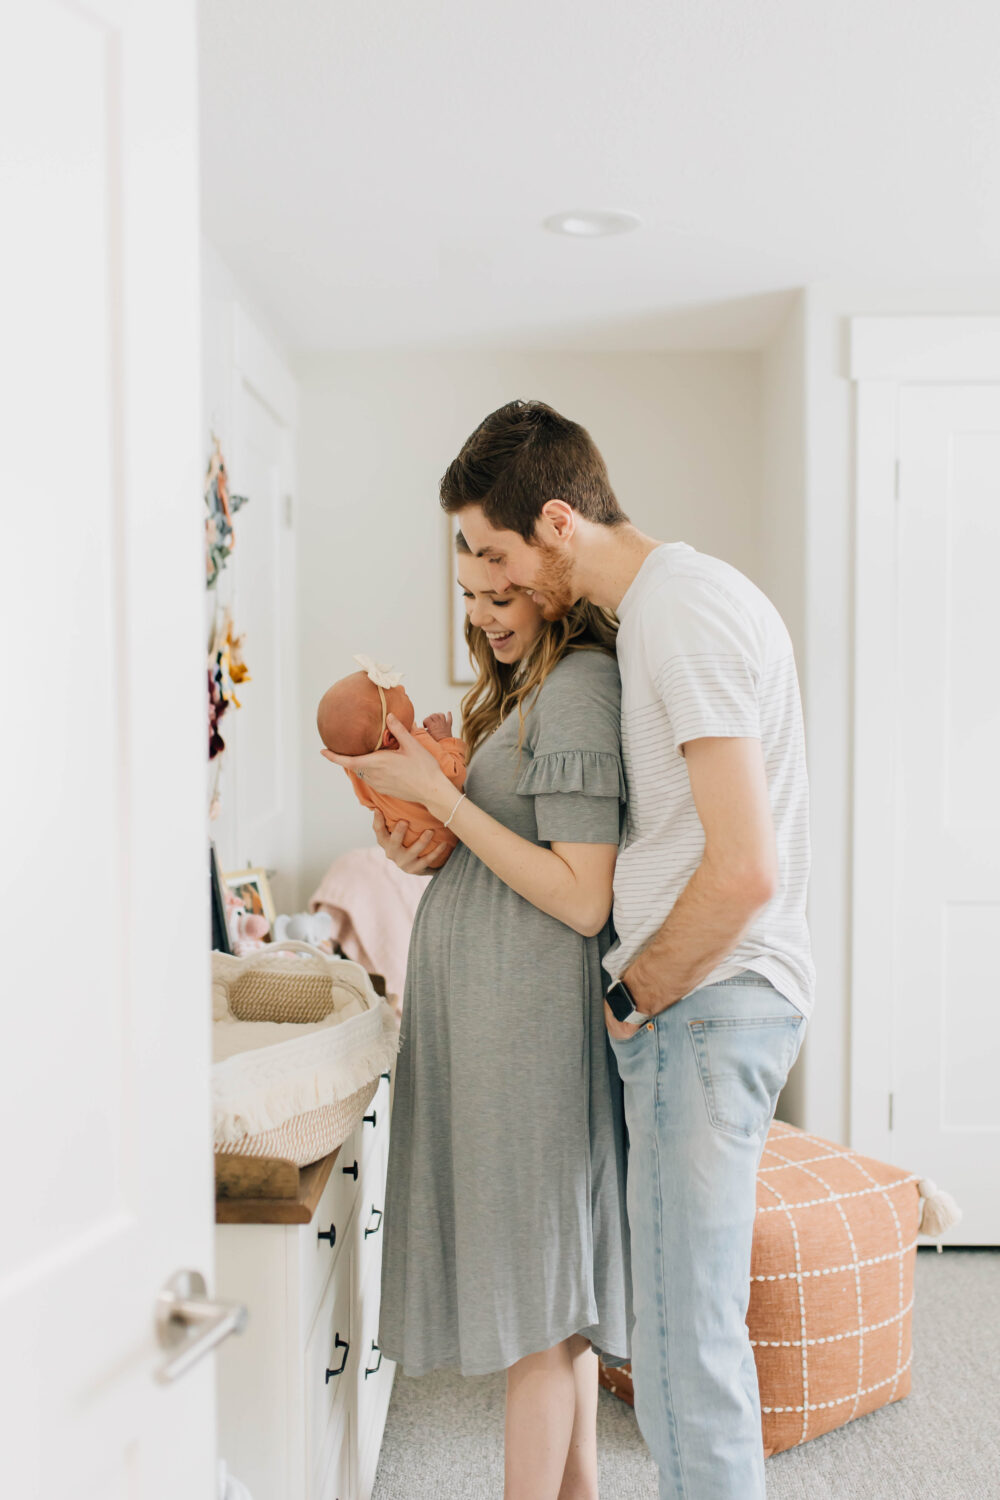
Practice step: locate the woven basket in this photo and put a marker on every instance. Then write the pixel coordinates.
(306, 1138)
(296, 1095)
(275, 985)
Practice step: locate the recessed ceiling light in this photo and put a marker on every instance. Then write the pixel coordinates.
(588, 223)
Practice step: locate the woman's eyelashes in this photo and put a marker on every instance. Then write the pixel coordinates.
(494, 603)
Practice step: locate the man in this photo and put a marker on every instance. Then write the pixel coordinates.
(712, 976)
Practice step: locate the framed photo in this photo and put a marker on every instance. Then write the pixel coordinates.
(253, 890)
(460, 669)
(220, 926)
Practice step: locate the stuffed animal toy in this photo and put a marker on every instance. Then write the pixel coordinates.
(314, 927)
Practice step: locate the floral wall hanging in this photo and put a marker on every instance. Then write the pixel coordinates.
(220, 507)
(226, 671)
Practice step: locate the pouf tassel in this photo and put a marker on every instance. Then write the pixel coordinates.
(938, 1210)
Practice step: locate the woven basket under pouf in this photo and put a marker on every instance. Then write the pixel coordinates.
(299, 1045)
(831, 1291)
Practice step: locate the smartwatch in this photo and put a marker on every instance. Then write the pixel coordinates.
(622, 1004)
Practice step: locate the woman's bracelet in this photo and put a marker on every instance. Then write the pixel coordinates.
(453, 811)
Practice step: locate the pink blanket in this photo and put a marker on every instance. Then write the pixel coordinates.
(372, 904)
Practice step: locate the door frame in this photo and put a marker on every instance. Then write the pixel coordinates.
(885, 355)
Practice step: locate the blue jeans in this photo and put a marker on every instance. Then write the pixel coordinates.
(701, 1083)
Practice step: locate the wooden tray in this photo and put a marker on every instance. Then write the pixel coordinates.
(268, 1190)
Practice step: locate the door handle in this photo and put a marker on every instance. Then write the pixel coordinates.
(189, 1325)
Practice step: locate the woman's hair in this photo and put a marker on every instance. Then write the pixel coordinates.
(501, 686)
(522, 455)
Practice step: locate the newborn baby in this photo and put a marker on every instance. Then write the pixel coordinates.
(352, 721)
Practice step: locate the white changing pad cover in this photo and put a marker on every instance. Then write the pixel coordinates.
(266, 1072)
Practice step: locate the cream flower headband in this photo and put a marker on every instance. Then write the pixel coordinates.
(383, 677)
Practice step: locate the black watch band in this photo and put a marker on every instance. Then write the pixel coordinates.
(622, 1003)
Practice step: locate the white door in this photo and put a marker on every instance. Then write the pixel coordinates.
(946, 1021)
(104, 1054)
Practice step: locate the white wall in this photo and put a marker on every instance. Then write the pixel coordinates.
(782, 484)
(782, 532)
(249, 401)
(681, 436)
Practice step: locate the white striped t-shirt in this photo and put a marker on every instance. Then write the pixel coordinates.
(704, 653)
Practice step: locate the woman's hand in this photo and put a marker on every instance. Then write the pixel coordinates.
(411, 772)
(412, 861)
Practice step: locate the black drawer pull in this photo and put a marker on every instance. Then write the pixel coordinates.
(371, 1119)
(378, 1364)
(378, 1226)
(387, 1077)
(352, 1171)
(328, 1234)
(338, 1343)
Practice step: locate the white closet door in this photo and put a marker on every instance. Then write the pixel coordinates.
(104, 1059)
(946, 1017)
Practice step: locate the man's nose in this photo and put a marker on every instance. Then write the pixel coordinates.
(499, 581)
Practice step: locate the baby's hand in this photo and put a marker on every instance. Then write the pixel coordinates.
(438, 726)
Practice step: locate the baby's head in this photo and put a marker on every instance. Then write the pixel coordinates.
(349, 718)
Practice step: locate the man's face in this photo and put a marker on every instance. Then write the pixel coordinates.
(545, 571)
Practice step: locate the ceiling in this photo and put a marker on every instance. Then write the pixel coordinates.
(376, 174)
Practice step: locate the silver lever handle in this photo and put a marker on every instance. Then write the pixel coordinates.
(191, 1325)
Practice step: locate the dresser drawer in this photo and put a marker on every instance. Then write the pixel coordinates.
(373, 1132)
(331, 1359)
(332, 1478)
(367, 1230)
(374, 1377)
(321, 1240)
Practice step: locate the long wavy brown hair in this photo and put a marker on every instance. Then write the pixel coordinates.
(500, 687)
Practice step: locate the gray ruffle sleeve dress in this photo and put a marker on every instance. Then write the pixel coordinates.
(505, 1219)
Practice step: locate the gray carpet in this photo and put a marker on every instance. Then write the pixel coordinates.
(444, 1436)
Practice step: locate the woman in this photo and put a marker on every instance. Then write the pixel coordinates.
(506, 1235)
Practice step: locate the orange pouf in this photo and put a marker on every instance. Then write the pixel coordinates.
(831, 1291)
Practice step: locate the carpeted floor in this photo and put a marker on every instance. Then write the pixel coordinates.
(444, 1436)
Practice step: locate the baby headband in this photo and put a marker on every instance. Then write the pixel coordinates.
(383, 677)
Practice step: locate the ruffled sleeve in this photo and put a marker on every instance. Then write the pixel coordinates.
(574, 772)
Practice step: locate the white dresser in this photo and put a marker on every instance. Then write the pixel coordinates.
(303, 1395)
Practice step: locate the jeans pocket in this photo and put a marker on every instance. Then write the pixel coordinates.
(631, 1052)
(743, 1066)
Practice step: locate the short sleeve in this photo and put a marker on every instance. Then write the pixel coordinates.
(574, 772)
(704, 658)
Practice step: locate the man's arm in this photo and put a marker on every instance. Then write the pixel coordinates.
(736, 878)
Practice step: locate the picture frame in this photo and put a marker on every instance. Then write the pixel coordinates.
(254, 890)
(220, 926)
(461, 672)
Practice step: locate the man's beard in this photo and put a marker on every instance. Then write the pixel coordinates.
(555, 581)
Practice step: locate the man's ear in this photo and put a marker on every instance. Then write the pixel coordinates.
(557, 521)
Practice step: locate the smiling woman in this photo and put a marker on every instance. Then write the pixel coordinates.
(508, 628)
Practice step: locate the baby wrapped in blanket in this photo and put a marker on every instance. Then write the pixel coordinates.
(352, 721)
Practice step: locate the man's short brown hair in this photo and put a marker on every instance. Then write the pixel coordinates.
(522, 455)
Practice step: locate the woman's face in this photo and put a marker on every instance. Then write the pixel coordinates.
(511, 620)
